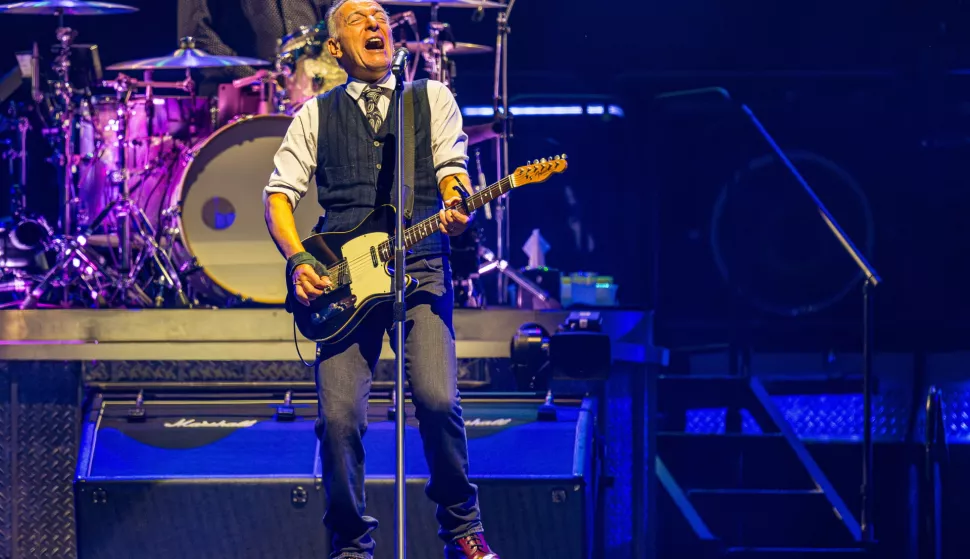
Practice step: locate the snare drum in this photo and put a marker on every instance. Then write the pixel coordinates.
(308, 68)
(222, 235)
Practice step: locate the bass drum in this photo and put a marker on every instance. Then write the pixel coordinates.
(222, 245)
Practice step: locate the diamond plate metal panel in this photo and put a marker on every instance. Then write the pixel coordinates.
(47, 433)
(96, 371)
(956, 413)
(280, 371)
(6, 481)
(205, 371)
(836, 417)
(713, 421)
(469, 370)
(134, 371)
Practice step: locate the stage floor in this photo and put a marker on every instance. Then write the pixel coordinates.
(263, 334)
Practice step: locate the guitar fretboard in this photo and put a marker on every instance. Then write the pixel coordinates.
(416, 233)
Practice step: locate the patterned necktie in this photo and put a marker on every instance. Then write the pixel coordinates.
(371, 95)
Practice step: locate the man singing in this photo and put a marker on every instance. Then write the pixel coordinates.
(344, 139)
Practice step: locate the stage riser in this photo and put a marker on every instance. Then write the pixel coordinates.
(202, 519)
(54, 353)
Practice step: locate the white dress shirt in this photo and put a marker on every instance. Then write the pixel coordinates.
(296, 160)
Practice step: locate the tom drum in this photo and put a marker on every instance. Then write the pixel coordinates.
(221, 230)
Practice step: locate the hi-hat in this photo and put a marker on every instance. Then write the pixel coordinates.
(65, 7)
(447, 47)
(445, 3)
(188, 57)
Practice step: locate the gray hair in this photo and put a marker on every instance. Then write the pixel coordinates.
(331, 20)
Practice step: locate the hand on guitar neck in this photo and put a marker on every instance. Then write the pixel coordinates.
(454, 219)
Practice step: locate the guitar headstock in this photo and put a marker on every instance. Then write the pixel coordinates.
(539, 170)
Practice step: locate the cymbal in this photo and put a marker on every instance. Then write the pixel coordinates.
(445, 3)
(65, 7)
(448, 48)
(188, 57)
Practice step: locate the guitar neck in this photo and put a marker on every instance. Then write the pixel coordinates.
(417, 233)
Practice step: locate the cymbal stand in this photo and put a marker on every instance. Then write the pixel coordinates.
(64, 90)
(127, 213)
(502, 143)
(73, 256)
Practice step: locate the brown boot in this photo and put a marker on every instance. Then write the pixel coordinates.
(472, 546)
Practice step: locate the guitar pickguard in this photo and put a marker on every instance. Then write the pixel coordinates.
(366, 278)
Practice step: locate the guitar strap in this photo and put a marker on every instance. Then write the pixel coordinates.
(407, 165)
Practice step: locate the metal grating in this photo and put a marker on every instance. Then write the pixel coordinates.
(834, 417)
(477, 370)
(956, 413)
(6, 480)
(47, 430)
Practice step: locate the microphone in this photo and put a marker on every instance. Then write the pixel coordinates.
(481, 182)
(35, 75)
(399, 61)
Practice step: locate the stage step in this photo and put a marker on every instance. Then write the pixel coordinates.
(743, 461)
(770, 518)
(759, 491)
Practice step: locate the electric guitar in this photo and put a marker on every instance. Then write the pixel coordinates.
(360, 261)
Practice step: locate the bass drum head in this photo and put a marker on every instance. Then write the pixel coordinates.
(222, 222)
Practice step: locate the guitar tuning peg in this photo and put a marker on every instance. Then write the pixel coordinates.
(556, 158)
(564, 156)
(543, 159)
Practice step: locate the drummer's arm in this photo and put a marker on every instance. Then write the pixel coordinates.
(295, 164)
(195, 20)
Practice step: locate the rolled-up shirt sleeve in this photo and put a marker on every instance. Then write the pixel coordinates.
(449, 143)
(296, 159)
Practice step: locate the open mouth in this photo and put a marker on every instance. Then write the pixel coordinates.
(374, 43)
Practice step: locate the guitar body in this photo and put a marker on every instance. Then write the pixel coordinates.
(361, 282)
(359, 260)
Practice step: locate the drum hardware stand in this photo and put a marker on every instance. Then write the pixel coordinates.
(17, 193)
(270, 101)
(502, 143)
(73, 258)
(125, 209)
(509, 273)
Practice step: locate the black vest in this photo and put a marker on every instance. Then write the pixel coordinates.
(355, 166)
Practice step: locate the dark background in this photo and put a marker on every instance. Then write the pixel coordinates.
(871, 93)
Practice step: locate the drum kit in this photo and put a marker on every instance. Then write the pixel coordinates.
(160, 194)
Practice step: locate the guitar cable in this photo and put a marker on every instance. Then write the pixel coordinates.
(296, 344)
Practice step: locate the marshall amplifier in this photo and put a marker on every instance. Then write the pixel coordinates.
(213, 476)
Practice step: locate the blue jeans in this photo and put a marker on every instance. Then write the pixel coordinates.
(343, 380)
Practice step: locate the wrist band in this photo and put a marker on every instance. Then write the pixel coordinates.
(301, 258)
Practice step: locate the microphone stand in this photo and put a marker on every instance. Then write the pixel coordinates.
(501, 100)
(871, 278)
(399, 314)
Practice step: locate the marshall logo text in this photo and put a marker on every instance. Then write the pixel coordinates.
(221, 424)
(479, 422)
